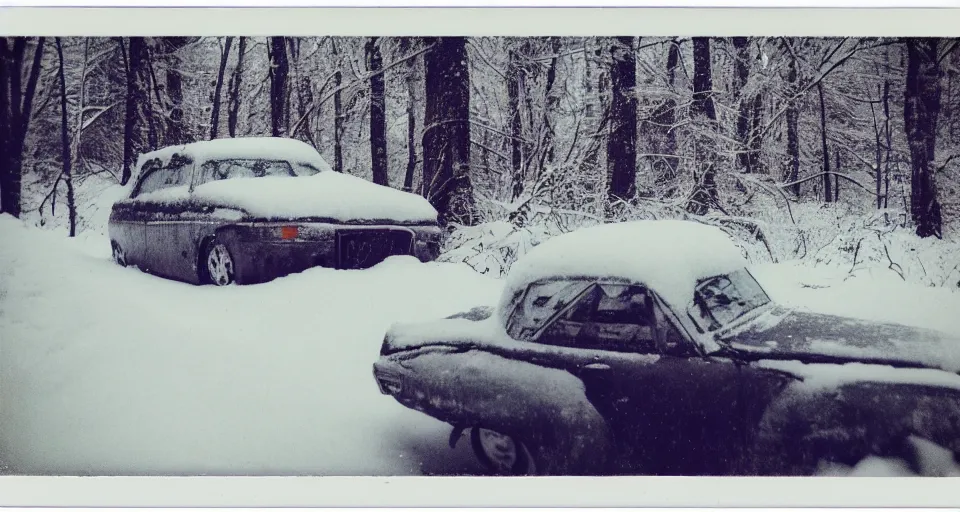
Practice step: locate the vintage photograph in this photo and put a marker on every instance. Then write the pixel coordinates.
(477, 255)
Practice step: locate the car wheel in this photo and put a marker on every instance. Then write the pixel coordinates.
(118, 255)
(219, 264)
(502, 454)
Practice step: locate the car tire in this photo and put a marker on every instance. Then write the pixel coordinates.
(218, 267)
(119, 257)
(501, 454)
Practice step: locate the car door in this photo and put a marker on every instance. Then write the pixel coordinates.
(138, 210)
(165, 224)
(677, 416)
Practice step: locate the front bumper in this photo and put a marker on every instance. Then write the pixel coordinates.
(265, 251)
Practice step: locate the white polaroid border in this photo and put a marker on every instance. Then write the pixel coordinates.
(942, 18)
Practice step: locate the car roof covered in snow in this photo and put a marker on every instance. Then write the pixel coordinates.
(266, 148)
(669, 256)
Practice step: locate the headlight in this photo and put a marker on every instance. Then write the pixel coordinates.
(388, 380)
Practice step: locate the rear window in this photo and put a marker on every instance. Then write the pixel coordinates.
(176, 173)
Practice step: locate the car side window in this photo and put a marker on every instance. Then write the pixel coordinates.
(670, 341)
(539, 303)
(607, 317)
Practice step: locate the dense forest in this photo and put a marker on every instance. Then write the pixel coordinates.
(804, 147)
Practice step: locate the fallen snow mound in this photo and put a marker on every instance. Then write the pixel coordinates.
(327, 195)
(109, 371)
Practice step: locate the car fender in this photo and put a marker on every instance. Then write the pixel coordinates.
(807, 425)
(544, 408)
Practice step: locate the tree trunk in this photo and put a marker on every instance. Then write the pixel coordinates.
(836, 179)
(622, 141)
(279, 69)
(304, 88)
(9, 202)
(755, 136)
(16, 107)
(889, 146)
(378, 115)
(235, 78)
(337, 111)
(175, 129)
(137, 106)
(552, 102)
(744, 103)
(827, 191)
(215, 115)
(749, 111)
(406, 45)
(793, 137)
(920, 111)
(664, 117)
(65, 143)
(154, 126)
(703, 114)
(446, 138)
(514, 70)
(703, 105)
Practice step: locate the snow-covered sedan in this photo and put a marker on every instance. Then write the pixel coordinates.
(247, 210)
(648, 347)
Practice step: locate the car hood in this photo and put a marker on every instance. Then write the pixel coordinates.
(783, 333)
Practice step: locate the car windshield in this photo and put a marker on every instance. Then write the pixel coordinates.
(720, 300)
(251, 168)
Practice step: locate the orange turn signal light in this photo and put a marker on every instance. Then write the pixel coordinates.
(289, 232)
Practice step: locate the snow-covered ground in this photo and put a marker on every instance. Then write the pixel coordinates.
(106, 370)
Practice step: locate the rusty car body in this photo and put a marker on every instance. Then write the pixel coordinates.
(599, 361)
(248, 210)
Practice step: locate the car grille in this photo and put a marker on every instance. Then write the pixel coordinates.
(390, 382)
(364, 248)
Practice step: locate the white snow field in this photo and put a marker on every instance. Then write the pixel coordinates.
(107, 370)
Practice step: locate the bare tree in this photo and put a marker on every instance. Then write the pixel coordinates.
(411, 80)
(338, 115)
(215, 114)
(749, 108)
(921, 108)
(703, 114)
(378, 112)
(552, 101)
(16, 107)
(515, 72)
(446, 136)
(235, 80)
(175, 128)
(65, 142)
(793, 121)
(622, 141)
(827, 192)
(660, 127)
(279, 69)
(137, 113)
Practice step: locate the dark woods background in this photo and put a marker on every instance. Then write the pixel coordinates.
(510, 129)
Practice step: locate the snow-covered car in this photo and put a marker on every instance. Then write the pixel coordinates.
(648, 347)
(247, 210)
